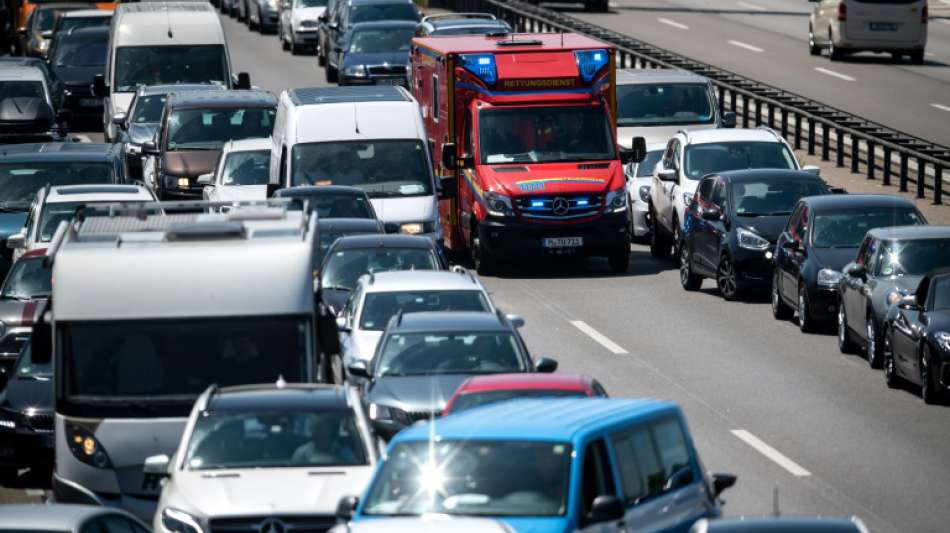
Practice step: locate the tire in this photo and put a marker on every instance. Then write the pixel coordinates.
(834, 53)
(688, 279)
(677, 241)
(726, 279)
(873, 347)
(659, 243)
(929, 388)
(321, 59)
(917, 57)
(619, 261)
(805, 321)
(332, 74)
(896, 57)
(890, 373)
(484, 262)
(780, 310)
(845, 343)
(8, 477)
(813, 48)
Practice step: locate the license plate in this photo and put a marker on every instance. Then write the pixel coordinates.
(90, 102)
(882, 26)
(389, 81)
(562, 242)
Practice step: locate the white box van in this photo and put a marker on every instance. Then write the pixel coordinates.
(368, 137)
(845, 26)
(157, 43)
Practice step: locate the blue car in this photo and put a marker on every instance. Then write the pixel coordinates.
(549, 465)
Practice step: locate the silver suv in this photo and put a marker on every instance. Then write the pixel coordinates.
(845, 26)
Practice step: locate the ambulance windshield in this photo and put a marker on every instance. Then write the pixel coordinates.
(544, 134)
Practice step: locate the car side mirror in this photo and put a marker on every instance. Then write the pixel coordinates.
(812, 169)
(156, 465)
(729, 119)
(638, 150)
(358, 369)
(150, 148)
(606, 508)
(99, 87)
(855, 270)
(790, 245)
(333, 25)
(908, 302)
(545, 365)
(243, 81)
(341, 324)
(711, 213)
(16, 241)
(666, 174)
(46, 34)
(721, 482)
(119, 119)
(346, 508)
(322, 17)
(516, 320)
(206, 179)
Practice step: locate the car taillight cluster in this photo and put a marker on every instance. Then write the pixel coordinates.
(924, 15)
(842, 12)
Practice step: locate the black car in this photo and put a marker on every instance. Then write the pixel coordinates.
(350, 257)
(54, 85)
(916, 335)
(82, 18)
(76, 57)
(821, 237)
(26, 419)
(461, 24)
(350, 12)
(422, 358)
(332, 201)
(27, 109)
(889, 265)
(732, 223)
(373, 53)
(333, 228)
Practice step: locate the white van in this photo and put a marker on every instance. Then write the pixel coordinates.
(372, 138)
(157, 43)
(846, 26)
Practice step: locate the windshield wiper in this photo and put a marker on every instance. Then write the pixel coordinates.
(336, 288)
(17, 297)
(749, 214)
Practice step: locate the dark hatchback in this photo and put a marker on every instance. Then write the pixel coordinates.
(28, 110)
(821, 237)
(733, 222)
(26, 419)
(375, 53)
(76, 57)
(350, 12)
(888, 266)
(54, 85)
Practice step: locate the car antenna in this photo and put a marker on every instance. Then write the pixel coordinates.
(775, 509)
(168, 22)
(356, 120)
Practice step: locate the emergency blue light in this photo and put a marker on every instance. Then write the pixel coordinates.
(537, 203)
(583, 202)
(481, 65)
(589, 63)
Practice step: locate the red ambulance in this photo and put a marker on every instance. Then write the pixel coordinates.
(526, 128)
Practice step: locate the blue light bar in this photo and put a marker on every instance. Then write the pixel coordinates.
(481, 65)
(590, 62)
(537, 203)
(583, 201)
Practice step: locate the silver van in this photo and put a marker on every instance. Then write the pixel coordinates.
(846, 26)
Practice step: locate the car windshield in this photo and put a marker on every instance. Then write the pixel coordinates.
(148, 108)
(28, 279)
(20, 181)
(277, 439)
(709, 158)
(335, 205)
(382, 168)
(941, 293)
(419, 354)
(20, 89)
(161, 65)
(468, 477)
(847, 228)
(82, 22)
(82, 53)
(478, 399)
(645, 167)
(377, 12)
(310, 3)
(664, 104)
(54, 213)
(328, 237)
(772, 198)
(246, 168)
(26, 368)
(379, 307)
(380, 40)
(209, 129)
(914, 257)
(344, 267)
(544, 134)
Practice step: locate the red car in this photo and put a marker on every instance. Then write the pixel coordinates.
(482, 390)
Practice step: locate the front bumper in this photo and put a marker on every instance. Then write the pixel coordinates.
(305, 38)
(754, 267)
(823, 303)
(641, 219)
(373, 80)
(601, 237)
(81, 101)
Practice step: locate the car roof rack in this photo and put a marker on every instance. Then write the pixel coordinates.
(472, 15)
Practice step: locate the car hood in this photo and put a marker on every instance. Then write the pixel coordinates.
(266, 491)
(25, 109)
(833, 258)
(654, 134)
(190, 163)
(517, 179)
(11, 223)
(408, 209)
(379, 58)
(415, 393)
(552, 524)
(28, 394)
(301, 14)
(141, 132)
(78, 76)
(239, 192)
(768, 227)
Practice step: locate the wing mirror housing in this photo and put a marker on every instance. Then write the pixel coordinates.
(636, 153)
(358, 369)
(156, 465)
(243, 81)
(346, 508)
(16, 241)
(341, 324)
(908, 302)
(205, 179)
(545, 365)
(666, 174)
(729, 119)
(711, 213)
(516, 320)
(119, 119)
(46, 34)
(606, 508)
(99, 87)
(855, 270)
(790, 245)
(150, 148)
(812, 169)
(448, 156)
(721, 482)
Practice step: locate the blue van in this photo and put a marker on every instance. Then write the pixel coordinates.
(549, 465)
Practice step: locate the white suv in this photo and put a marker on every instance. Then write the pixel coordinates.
(691, 155)
(378, 297)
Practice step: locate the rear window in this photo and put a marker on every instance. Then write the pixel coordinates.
(372, 13)
(381, 306)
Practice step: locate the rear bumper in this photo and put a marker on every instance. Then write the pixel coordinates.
(601, 237)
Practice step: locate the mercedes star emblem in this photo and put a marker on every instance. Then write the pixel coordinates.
(560, 206)
(272, 525)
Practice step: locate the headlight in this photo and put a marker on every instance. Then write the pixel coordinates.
(388, 414)
(644, 193)
(43, 46)
(943, 340)
(498, 205)
(183, 183)
(828, 277)
(85, 447)
(357, 71)
(7, 420)
(179, 521)
(307, 24)
(894, 296)
(687, 198)
(616, 201)
(751, 241)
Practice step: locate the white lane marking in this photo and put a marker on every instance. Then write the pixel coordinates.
(941, 107)
(943, 21)
(599, 337)
(838, 75)
(83, 138)
(677, 25)
(747, 46)
(753, 7)
(777, 457)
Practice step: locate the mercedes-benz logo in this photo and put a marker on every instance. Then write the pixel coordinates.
(272, 525)
(560, 206)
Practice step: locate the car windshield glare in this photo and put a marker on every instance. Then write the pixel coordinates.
(846, 229)
(84, 53)
(149, 109)
(344, 267)
(544, 135)
(20, 181)
(27, 280)
(709, 158)
(379, 307)
(275, 440)
(379, 12)
(772, 198)
(247, 168)
(665, 104)
(209, 129)
(493, 478)
(645, 168)
(165, 65)
(382, 168)
(381, 40)
(415, 354)
(914, 257)
(478, 399)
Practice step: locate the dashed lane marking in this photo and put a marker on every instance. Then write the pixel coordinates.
(752, 7)
(941, 107)
(673, 23)
(598, 336)
(838, 75)
(776, 456)
(747, 46)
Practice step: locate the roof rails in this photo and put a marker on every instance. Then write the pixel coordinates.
(773, 132)
(519, 42)
(486, 16)
(459, 269)
(206, 396)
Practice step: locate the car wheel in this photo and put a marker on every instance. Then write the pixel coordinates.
(659, 246)
(321, 59)
(332, 74)
(834, 53)
(619, 261)
(890, 373)
(726, 279)
(845, 344)
(917, 57)
(688, 279)
(813, 48)
(780, 310)
(929, 389)
(677, 241)
(482, 259)
(873, 349)
(805, 321)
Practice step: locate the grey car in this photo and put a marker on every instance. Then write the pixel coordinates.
(422, 358)
(27, 284)
(68, 518)
(889, 265)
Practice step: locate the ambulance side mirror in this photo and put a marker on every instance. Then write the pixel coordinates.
(448, 156)
(637, 152)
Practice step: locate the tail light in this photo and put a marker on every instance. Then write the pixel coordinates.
(924, 14)
(842, 12)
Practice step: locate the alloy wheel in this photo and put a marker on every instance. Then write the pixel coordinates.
(890, 377)
(872, 344)
(726, 280)
(802, 311)
(926, 384)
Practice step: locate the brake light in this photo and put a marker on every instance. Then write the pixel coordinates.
(842, 12)
(924, 14)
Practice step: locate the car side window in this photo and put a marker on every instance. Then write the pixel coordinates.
(353, 303)
(793, 220)
(597, 477)
(652, 459)
(801, 226)
(869, 256)
(705, 191)
(668, 154)
(718, 197)
(859, 259)
(676, 154)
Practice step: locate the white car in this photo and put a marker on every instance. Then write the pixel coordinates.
(378, 297)
(639, 182)
(241, 173)
(425, 524)
(56, 204)
(846, 26)
(297, 24)
(689, 156)
(269, 458)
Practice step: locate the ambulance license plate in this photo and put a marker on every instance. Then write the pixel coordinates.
(562, 242)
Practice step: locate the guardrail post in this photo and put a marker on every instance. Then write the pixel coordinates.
(732, 101)
(798, 131)
(839, 148)
(811, 137)
(784, 123)
(920, 178)
(771, 116)
(938, 184)
(745, 110)
(871, 163)
(825, 141)
(758, 112)
(903, 176)
(854, 154)
(887, 166)
(722, 101)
